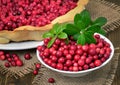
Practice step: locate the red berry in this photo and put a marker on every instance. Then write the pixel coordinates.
(68, 63)
(39, 48)
(13, 63)
(88, 60)
(57, 41)
(58, 53)
(61, 60)
(19, 63)
(75, 68)
(85, 67)
(35, 72)
(9, 59)
(92, 65)
(2, 57)
(27, 56)
(85, 48)
(38, 65)
(54, 58)
(97, 36)
(65, 52)
(79, 51)
(7, 64)
(81, 62)
(76, 57)
(1, 53)
(53, 65)
(97, 62)
(51, 80)
(72, 52)
(59, 66)
(68, 56)
(92, 52)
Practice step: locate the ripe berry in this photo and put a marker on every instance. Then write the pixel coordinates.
(19, 63)
(68, 56)
(59, 66)
(81, 62)
(75, 68)
(61, 60)
(2, 57)
(97, 62)
(85, 67)
(35, 72)
(38, 65)
(27, 56)
(51, 80)
(68, 63)
(7, 64)
(85, 48)
(76, 57)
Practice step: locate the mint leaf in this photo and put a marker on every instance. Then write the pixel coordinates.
(89, 36)
(81, 39)
(51, 42)
(54, 29)
(81, 25)
(47, 35)
(71, 29)
(76, 36)
(94, 28)
(60, 28)
(100, 21)
(62, 35)
(101, 31)
(83, 17)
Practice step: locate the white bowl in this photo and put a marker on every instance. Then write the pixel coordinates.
(84, 72)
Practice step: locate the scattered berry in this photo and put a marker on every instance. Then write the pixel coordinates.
(51, 80)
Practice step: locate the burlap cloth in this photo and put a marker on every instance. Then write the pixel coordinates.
(103, 76)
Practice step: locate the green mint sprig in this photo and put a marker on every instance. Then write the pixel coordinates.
(83, 28)
(55, 32)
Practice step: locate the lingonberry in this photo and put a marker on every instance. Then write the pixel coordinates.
(68, 63)
(19, 63)
(37, 65)
(2, 57)
(35, 72)
(27, 56)
(59, 66)
(75, 68)
(81, 62)
(61, 60)
(68, 56)
(7, 64)
(76, 57)
(97, 62)
(51, 80)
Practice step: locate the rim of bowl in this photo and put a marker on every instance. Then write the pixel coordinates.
(83, 71)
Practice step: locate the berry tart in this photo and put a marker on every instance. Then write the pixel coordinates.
(29, 19)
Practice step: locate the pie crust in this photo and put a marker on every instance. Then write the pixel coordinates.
(25, 33)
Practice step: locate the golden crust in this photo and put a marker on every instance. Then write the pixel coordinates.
(24, 33)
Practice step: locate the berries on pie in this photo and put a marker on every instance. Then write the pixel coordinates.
(22, 20)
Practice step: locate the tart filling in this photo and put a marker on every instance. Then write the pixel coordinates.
(20, 24)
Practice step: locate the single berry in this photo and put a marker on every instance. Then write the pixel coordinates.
(51, 80)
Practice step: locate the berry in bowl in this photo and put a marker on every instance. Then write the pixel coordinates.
(75, 52)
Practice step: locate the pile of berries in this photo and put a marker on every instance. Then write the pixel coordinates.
(16, 13)
(73, 56)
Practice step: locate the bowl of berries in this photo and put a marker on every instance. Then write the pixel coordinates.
(75, 50)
